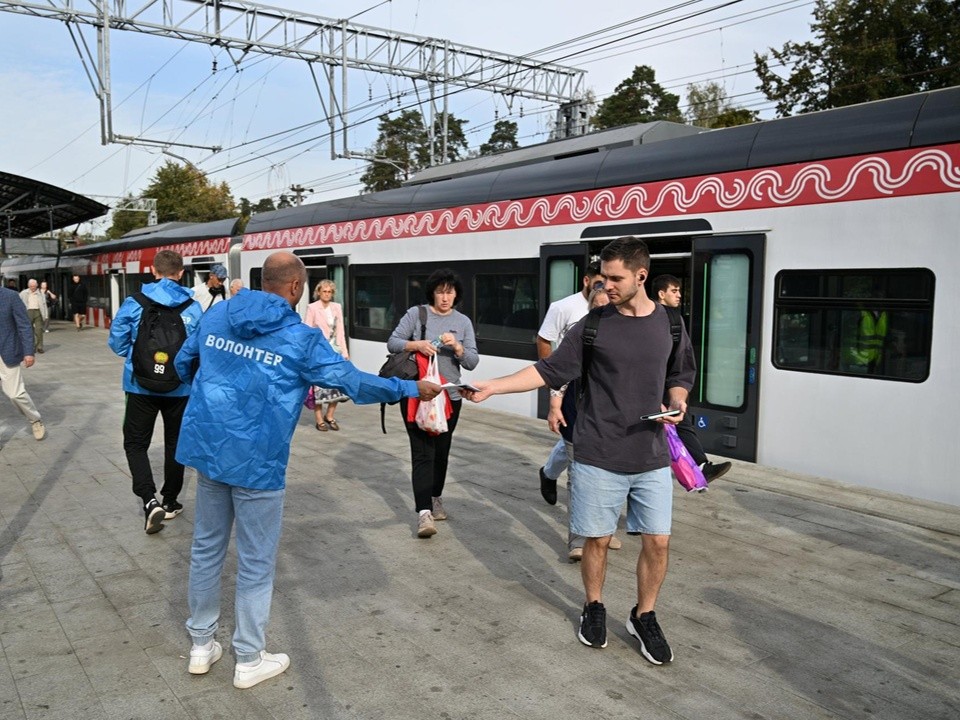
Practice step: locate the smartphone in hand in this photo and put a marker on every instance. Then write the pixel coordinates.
(657, 416)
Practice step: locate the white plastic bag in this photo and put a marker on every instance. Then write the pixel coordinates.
(431, 415)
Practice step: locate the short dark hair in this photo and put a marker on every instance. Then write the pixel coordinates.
(593, 269)
(168, 262)
(442, 278)
(662, 283)
(631, 251)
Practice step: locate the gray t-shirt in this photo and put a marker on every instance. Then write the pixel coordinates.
(627, 377)
(457, 323)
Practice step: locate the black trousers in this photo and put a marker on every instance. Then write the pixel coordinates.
(688, 434)
(138, 422)
(429, 455)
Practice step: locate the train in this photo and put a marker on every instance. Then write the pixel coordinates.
(814, 254)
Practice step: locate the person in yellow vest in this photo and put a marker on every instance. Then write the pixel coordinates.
(864, 352)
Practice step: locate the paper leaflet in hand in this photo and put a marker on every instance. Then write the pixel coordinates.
(687, 472)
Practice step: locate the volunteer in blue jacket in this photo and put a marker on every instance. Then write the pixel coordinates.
(257, 360)
(143, 405)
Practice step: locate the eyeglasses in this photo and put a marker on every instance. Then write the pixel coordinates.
(598, 284)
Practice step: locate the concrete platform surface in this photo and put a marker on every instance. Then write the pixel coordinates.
(787, 597)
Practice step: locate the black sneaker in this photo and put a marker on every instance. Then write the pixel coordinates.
(712, 471)
(154, 517)
(548, 488)
(593, 625)
(172, 508)
(653, 644)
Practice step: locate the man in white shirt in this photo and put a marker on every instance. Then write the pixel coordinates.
(213, 290)
(36, 304)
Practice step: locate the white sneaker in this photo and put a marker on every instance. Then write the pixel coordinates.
(39, 431)
(246, 675)
(425, 526)
(201, 660)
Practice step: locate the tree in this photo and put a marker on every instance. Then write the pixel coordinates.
(865, 50)
(398, 147)
(248, 209)
(708, 106)
(183, 194)
(638, 99)
(502, 139)
(403, 147)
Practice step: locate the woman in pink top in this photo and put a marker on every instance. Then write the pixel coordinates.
(328, 316)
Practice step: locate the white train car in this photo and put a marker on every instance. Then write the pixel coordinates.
(818, 281)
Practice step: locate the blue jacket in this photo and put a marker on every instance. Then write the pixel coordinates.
(16, 334)
(257, 361)
(124, 328)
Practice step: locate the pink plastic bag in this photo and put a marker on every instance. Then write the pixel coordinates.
(687, 472)
(310, 403)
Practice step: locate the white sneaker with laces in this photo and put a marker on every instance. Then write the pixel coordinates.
(39, 431)
(246, 675)
(201, 659)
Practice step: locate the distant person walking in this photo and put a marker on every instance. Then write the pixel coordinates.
(256, 361)
(212, 290)
(143, 405)
(79, 296)
(36, 305)
(51, 300)
(16, 346)
(449, 336)
(327, 315)
(666, 289)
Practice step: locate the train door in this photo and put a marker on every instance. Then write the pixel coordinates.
(561, 274)
(725, 291)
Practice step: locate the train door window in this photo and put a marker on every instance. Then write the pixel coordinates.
(727, 312)
(415, 290)
(866, 323)
(564, 273)
(506, 307)
(373, 306)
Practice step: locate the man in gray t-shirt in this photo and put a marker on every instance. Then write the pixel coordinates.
(619, 455)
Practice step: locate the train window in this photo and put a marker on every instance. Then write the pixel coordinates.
(415, 289)
(373, 302)
(506, 307)
(865, 323)
(563, 276)
(727, 321)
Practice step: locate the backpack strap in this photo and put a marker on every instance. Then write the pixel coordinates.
(423, 334)
(589, 336)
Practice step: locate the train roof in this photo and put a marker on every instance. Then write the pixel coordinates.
(33, 207)
(164, 234)
(928, 118)
(625, 136)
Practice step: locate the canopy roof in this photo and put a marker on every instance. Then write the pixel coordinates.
(30, 207)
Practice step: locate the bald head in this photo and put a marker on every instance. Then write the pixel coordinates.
(284, 275)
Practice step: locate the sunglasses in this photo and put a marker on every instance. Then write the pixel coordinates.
(598, 284)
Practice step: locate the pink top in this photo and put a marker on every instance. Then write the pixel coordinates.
(317, 317)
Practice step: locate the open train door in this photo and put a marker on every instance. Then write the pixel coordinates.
(727, 293)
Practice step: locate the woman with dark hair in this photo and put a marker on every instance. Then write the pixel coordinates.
(449, 335)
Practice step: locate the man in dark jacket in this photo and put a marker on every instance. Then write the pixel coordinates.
(257, 361)
(16, 346)
(78, 302)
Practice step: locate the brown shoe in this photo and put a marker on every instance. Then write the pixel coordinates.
(322, 426)
(333, 424)
(425, 526)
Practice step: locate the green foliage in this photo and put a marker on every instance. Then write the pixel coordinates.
(502, 139)
(865, 50)
(708, 106)
(400, 144)
(183, 194)
(456, 142)
(638, 99)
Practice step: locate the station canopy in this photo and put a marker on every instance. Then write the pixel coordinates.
(30, 207)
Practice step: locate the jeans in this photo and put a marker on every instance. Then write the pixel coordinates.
(138, 421)
(429, 455)
(258, 515)
(557, 461)
(597, 496)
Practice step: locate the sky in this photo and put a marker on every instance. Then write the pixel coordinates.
(191, 93)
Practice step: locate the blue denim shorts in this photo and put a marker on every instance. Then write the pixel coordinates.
(597, 495)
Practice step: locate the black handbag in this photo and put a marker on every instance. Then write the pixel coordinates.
(403, 364)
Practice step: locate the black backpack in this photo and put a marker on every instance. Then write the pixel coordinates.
(590, 335)
(159, 337)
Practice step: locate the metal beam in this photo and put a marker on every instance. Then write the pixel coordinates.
(250, 27)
